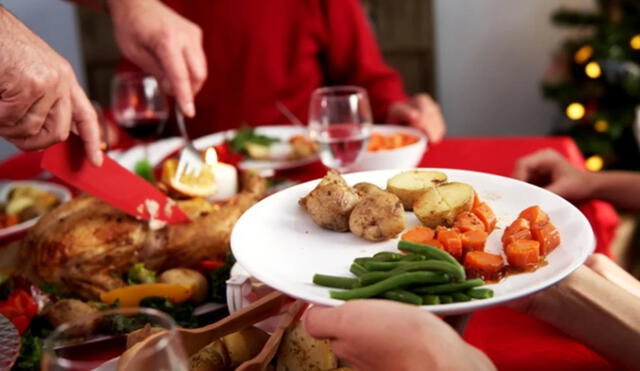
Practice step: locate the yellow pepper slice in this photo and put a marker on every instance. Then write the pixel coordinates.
(130, 296)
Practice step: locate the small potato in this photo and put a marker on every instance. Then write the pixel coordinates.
(245, 344)
(189, 278)
(331, 202)
(440, 205)
(212, 357)
(300, 351)
(378, 217)
(66, 310)
(410, 185)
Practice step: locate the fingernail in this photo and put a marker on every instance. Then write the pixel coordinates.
(98, 158)
(190, 110)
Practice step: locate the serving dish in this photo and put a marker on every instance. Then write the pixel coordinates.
(61, 192)
(278, 244)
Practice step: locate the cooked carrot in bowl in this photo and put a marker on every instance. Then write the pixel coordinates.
(381, 142)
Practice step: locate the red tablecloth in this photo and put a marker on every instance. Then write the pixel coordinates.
(512, 340)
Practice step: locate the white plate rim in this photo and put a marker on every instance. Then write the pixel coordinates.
(448, 309)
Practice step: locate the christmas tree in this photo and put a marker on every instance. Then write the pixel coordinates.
(595, 79)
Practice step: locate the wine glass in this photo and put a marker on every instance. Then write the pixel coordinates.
(94, 342)
(139, 106)
(340, 122)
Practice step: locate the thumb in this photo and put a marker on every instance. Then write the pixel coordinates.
(321, 322)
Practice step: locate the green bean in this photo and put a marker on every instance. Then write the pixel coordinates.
(448, 287)
(335, 281)
(426, 250)
(445, 299)
(455, 271)
(430, 300)
(369, 278)
(400, 280)
(363, 260)
(357, 269)
(377, 276)
(402, 296)
(460, 296)
(480, 293)
(388, 256)
(373, 265)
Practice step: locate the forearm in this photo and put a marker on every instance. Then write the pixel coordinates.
(620, 188)
(596, 312)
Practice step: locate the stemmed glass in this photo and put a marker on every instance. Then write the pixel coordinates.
(139, 106)
(340, 122)
(94, 342)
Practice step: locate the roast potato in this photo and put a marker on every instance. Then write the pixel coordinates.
(300, 351)
(245, 344)
(440, 205)
(67, 310)
(212, 357)
(378, 216)
(331, 202)
(364, 189)
(189, 278)
(410, 185)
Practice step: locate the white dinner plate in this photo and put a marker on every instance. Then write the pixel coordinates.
(60, 191)
(277, 242)
(159, 150)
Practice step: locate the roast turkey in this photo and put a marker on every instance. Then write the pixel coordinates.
(87, 245)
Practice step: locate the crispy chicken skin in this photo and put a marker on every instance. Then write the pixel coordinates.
(86, 244)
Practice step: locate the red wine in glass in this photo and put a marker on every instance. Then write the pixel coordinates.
(143, 128)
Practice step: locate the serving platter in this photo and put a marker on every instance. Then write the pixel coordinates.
(161, 149)
(277, 242)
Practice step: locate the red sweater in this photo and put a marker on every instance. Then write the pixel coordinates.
(262, 51)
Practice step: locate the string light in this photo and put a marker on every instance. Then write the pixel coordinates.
(601, 126)
(594, 163)
(593, 70)
(635, 42)
(575, 111)
(583, 54)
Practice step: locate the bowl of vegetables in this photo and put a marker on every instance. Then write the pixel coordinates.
(392, 147)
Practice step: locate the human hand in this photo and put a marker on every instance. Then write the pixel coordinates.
(164, 44)
(384, 335)
(40, 98)
(421, 112)
(547, 168)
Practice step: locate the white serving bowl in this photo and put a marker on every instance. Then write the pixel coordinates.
(399, 158)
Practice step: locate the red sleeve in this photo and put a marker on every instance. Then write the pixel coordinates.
(353, 56)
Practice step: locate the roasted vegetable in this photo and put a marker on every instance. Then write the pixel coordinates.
(189, 278)
(130, 296)
(300, 351)
(439, 206)
(245, 344)
(410, 185)
(138, 273)
(66, 310)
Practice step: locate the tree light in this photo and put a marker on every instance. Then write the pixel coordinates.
(601, 126)
(635, 42)
(575, 111)
(594, 163)
(593, 70)
(583, 54)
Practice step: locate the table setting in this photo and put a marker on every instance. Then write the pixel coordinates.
(203, 253)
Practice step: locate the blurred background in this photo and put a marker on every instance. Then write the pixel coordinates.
(485, 69)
